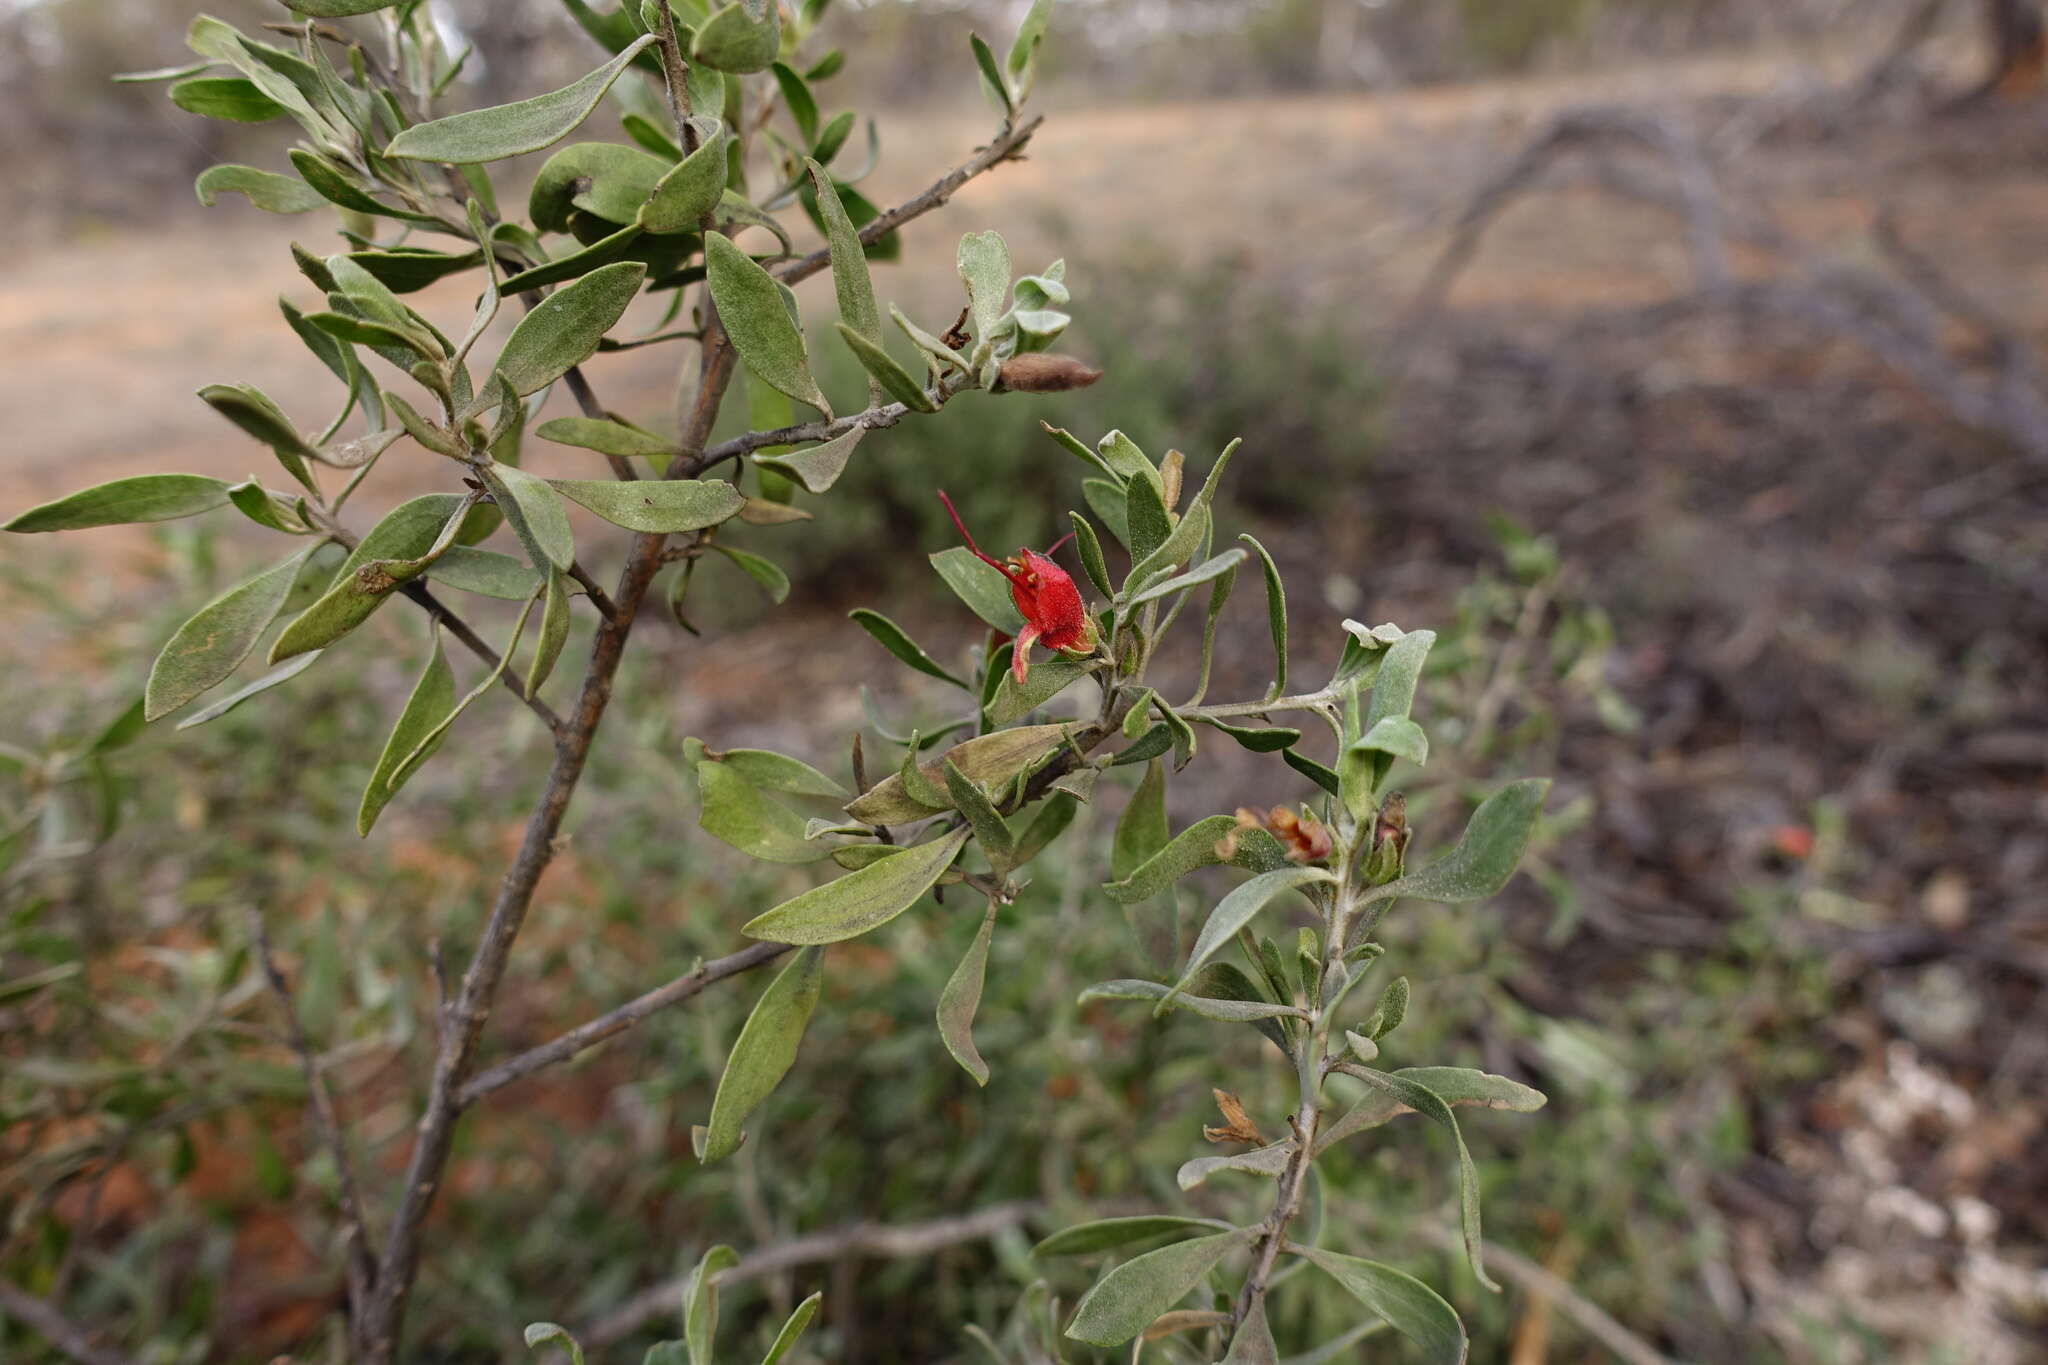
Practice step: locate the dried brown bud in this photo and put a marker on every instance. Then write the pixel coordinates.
(1171, 466)
(1044, 372)
(1306, 839)
(1237, 1124)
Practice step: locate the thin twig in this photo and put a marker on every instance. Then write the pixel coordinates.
(590, 1034)
(62, 1333)
(1007, 146)
(355, 1232)
(599, 598)
(897, 1241)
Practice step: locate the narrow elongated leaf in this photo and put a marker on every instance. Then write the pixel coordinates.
(792, 1328)
(1142, 829)
(1204, 572)
(896, 381)
(1145, 517)
(486, 573)
(231, 99)
(143, 497)
(1430, 1105)
(1456, 1086)
(819, 467)
(554, 632)
(513, 129)
(984, 260)
(575, 265)
(1015, 700)
(859, 901)
(1260, 739)
(1122, 1303)
(1087, 1238)
(1202, 844)
(991, 759)
(271, 193)
(992, 83)
(567, 325)
(1232, 1011)
(1090, 549)
(766, 572)
(1415, 1310)
(850, 280)
(738, 813)
(1484, 859)
(962, 997)
(1276, 614)
(373, 571)
(751, 308)
(779, 772)
(534, 511)
(338, 9)
(990, 830)
(766, 1047)
(1266, 1161)
(1236, 910)
(612, 438)
(984, 589)
(894, 639)
(425, 714)
(276, 676)
(211, 646)
(659, 505)
(700, 1302)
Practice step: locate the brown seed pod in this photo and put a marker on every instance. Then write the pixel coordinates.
(1045, 372)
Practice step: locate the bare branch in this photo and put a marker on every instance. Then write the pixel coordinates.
(588, 1035)
(58, 1330)
(896, 1241)
(355, 1233)
(1007, 146)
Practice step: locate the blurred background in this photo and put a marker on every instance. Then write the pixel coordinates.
(1676, 360)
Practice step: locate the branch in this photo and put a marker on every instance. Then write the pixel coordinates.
(1590, 1316)
(60, 1331)
(461, 630)
(588, 1035)
(897, 1241)
(354, 1230)
(1008, 145)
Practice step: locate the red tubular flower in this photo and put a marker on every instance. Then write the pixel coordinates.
(1045, 596)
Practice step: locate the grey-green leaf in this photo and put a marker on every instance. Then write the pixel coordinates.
(859, 901)
(1015, 700)
(700, 1301)
(984, 260)
(658, 505)
(1397, 735)
(283, 674)
(766, 1047)
(792, 1328)
(486, 573)
(1484, 859)
(432, 699)
(143, 497)
(267, 191)
(1253, 1343)
(1085, 1238)
(1197, 846)
(1276, 614)
(534, 511)
(566, 326)
(1455, 1085)
(1430, 1105)
(362, 583)
(611, 438)
(882, 367)
(554, 632)
(211, 646)
(819, 467)
(850, 279)
(513, 129)
(1141, 831)
(688, 191)
(1237, 909)
(984, 589)
(735, 39)
(894, 639)
(1209, 1007)
(751, 308)
(1145, 517)
(1123, 1302)
(1415, 1310)
(738, 813)
(962, 997)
